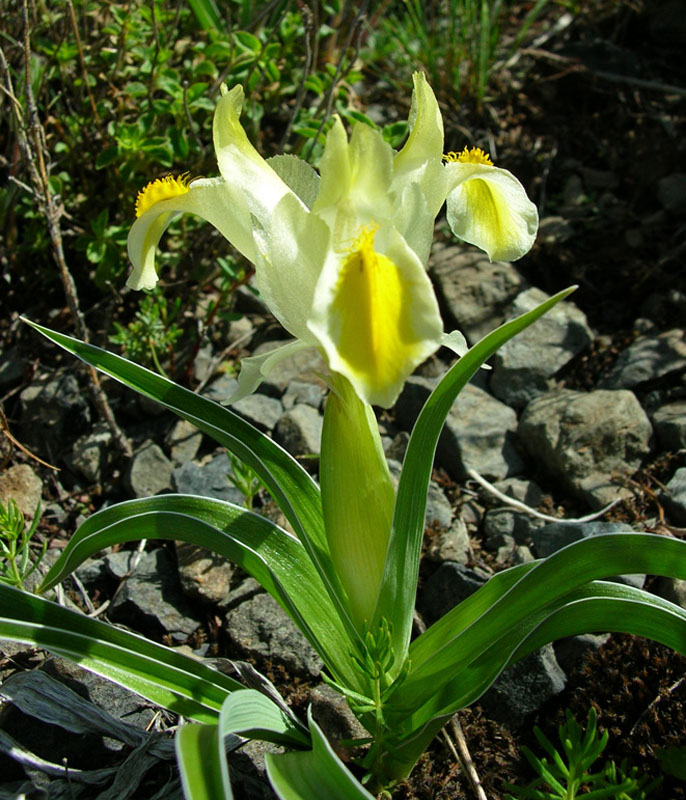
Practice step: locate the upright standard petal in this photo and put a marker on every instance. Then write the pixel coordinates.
(488, 207)
(375, 315)
(240, 164)
(210, 198)
(420, 159)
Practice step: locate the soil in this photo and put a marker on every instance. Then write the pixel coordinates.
(593, 122)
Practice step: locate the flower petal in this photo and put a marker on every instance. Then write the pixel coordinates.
(210, 198)
(240, 164)
(420, 159)
(376, 316)
(287, 274)
(298, 175)
(255, 369)
(488, 207)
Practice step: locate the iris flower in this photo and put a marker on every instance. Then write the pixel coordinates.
(340, 256)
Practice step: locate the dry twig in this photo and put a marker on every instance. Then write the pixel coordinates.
(33, 147)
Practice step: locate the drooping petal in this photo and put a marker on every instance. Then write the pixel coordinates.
(375, 315)
(420, 159)
(255, 369)
(239, 162)
(210, 198)
(488, 207)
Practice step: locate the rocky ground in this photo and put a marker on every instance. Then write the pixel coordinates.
(585, 408)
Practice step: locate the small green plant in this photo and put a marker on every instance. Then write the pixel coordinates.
(16, 561)
(151, 332)
(245, 480)
(567, 776)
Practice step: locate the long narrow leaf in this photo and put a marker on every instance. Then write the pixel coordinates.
(597, 606)
(437, 658)
(197, 754)
(179, 683)
(313, 773)
(251, 714)
(399, 584)
(291, 486)
(277, 560)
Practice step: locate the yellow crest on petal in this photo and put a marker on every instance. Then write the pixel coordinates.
(371, 300)
(474, 155)
(161, 189)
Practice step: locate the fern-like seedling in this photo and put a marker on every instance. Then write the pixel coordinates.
(565, 774)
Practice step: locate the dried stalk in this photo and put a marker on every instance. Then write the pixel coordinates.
(33, 146)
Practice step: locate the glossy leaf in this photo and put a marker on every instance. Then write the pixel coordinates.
(276, 559)
(169, 679)
(399, 586)
(313, 773)
(251, 714)
(204, 774)
(291, 486)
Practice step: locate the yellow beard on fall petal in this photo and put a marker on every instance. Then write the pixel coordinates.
(161, 189)
(375, 337)
(475, 155)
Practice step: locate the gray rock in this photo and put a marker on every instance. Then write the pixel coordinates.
(311, 394)
(247, 589)
(260, 410)
(332, 712)
(523, 688)
(149, 472)
(588, 441)
(92, 454)
(151, 601)
(12, 367)
(672, 589)
(53, 409)
(304, 366)
(21, 484)
(451, 544)
(221, 389)
(183, 441)
(507, 556)
(648, 358)
(508, 522)
(299, 430)
(671, 192)
(523, 366)
(669, 423)
(556, 535)
(208, 479)
(260, 628)
(523, 490)
(554, 230)
(473, 292)
(448, 586)
(571, 650)
(248, 772)
(479, 430)
(674, 498)
(204, 575)
(395, 449)
(439, 510)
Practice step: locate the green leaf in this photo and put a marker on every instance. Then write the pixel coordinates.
(277, 560)
(443, 654)
(673, 761)
(204, 774)
(313, 773)
(399, 584)
(294, 491)
(207, 14)
(251, 714)
(169, 679)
